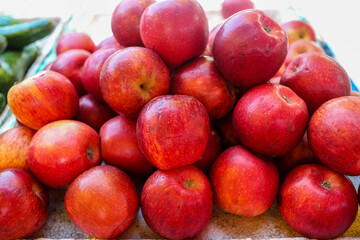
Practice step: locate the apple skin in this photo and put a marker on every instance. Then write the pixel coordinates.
(227, 131)
(14, 146)
(334, 132)
(24, 204)
(90, 74)
(318, 202)
(93, 113)
(249, 48)
(212, 151)
(102, 202)
(299, 47)
(316, 78)
(70, 64)
(355, 93)
(125, 21)
(108, 42)
(270, 119)
(229, 7)
(176, 30)
(173, 131)
(42, 98)
(242, 183)
(132, 77)
(201, 79)
(177, 203)
(74, 40)
(62, 150)
(212, 34)
(297, 29)
(120, 147)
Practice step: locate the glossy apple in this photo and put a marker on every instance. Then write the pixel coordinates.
(249, 48)
(103, 202)
(14, 145)
(93, 113)
(125, 21)
(120, 147)
(74, 40)
(62, 150)
(229, 7)
(201, 79)
(297, 29)
(318, 202)
(173, 131)
(177, 203)
(299, 47)
(108, 42)
(212, 34)
(270, 119)
(132, 77)
(242, 183)
(176, 30)
(316, 78)
(24, 204)
(334, 132)
(70, 64)
(42, 98)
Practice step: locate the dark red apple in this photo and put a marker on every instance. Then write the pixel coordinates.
(24, 204)
(70, 64)
(298, 29)
(132, 77)
(173, 131)
(93, 113)
(108, 42)
(177, 203)
(176, 30)
(316, 78)
(74, 40)
(242, 183)
(270, 119)
(227, 131)
(103, 202)
(212, 34)
(62, 150)
(318, 202)
(120, 147)
(299, 47)
(201, 79)
(125, 21)
(229, 7)
(249, 48)
(334, 133)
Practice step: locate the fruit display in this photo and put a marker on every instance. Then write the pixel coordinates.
(175, 125)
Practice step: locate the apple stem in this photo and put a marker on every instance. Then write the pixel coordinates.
(326, 184)
(189, 183)
(89, 153)
(267, 29)
(286, 99)
(295, 69)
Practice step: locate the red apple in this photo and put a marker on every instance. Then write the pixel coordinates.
(90, 74)
(14, 146)
(229, 7)
(24, 204)
(242, 183)
(212, 34)
(103, 202)
(74, 40)
(173, 131)
(316, 78)
(355, 93)
(270, 119)
(299, 47)
(62, 150)
(177, 203)
(125, 21)
(297, 29)
(201, 79)
(108, 42)
(227, 131)
(275, 80)
(212, 151)
(249, 48)
(70, 64)
(42, 98)
(132, 77)
(176, 30)
(334, 133)
(93, 113)
(318, 202)
(120, 147)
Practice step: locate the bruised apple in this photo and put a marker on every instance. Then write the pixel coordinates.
(74, 40)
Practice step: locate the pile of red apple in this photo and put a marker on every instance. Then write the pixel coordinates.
(237, 117)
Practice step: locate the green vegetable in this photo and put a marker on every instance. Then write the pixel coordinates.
(2, 102)
(14, 64)
(22, 34)
(3, 43)
(7, 20)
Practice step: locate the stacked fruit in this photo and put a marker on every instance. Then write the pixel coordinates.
(198, 128)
